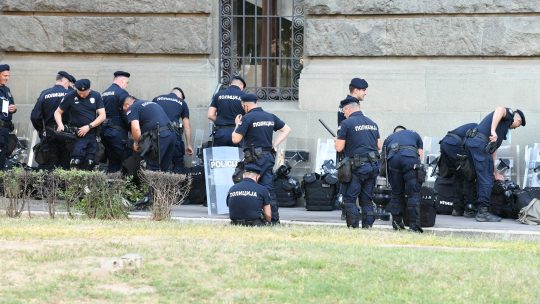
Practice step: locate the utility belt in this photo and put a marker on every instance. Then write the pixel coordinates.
(7, 124)
(108, 123)
(349, 164)
(395, 147)
(178, 127)
(252, 154)
(69, 133)
(490, 146)
(256, 222)
(216, 127)
(149, 142)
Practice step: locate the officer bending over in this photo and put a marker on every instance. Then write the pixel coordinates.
(152, 133)
(177, 110)
(249, 202)
(358, 137)
(225, 106)
(404, 152)
(452, 149)
(256, 129)
(53, 148)
(82, 106)
(114, 132)
(481, 146)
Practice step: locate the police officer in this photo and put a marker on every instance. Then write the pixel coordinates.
(452, 148)
(225, 106)
(256, 129)
(178, 112)
(114, 132)
(249, 202)
(358, 91)
(151, 131)
(72, 81)
(82, 105)
(481, 145)
(42, 118)
(358, 137)
(403, 150)
(8, 108)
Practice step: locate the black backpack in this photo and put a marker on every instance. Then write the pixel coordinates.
(197, 192)
(446, 195)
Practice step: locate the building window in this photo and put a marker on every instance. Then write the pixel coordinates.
(263, 41)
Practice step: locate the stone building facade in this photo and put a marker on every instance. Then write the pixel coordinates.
(431, 65)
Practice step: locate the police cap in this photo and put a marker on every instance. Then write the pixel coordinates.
(348, 100)
(64, 74)
(249, 98)
(359, 83)
(121, 73)
(70, 78)
(180, 90)
(4, 67)
(522, 117)
(239, 78)
(251, 167)
(82, 84)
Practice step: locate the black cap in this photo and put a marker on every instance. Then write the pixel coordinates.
(251, 167)
(359, 83)
(349, 100)
(4, 67)
(249, 98)
(121, 73)
(82, 84)
(64, 74)
(179, 89)
(71, 78)
(239, 78)
(522, 117)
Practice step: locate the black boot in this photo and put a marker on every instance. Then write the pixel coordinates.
(470, 211)
(414, 220)
(397, 223)
(484, 215)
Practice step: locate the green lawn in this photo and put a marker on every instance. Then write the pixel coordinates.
(60, 261)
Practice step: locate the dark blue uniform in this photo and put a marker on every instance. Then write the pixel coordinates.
(82, 111)
(5, 124)
(246, 201)
(176, 109)
(257, 127)
(43, 116)
(228, 104)
(361, 135)
(483, 161)
(150, 115)
(114, 131)
(401, 149)
(452, 145)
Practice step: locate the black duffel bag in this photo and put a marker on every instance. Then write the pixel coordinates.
(446, 195)
(319, 195)
(523, 197)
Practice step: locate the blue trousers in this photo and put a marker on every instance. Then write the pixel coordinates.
(4, 135)
(85, 148)
(178, 154)
(223, 137)
(166, 149)
(405, 187)
(266, 163)
(116, 150)
(360, 187)
(483, 166)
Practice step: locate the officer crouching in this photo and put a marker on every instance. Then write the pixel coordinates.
(249, 202)
(358, 137)
(403, 151)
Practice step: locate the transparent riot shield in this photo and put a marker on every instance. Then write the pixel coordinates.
(531, 177)
(432, 151)
(505, 162)
(197, 157)
(325, 151)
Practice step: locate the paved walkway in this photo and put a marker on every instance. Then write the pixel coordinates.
(444, 224)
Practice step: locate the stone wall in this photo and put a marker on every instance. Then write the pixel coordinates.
(162, 43)
(431, 65)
